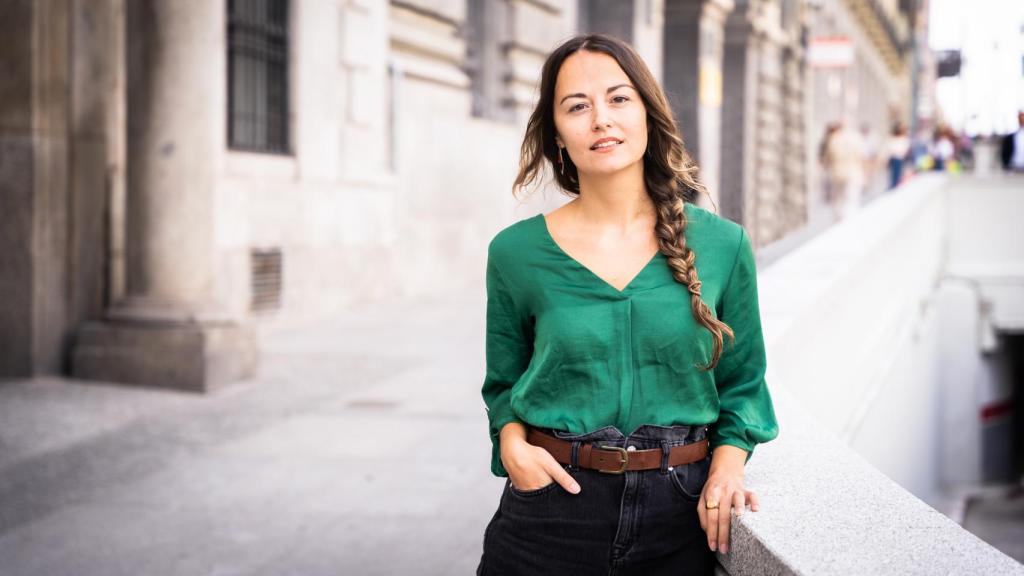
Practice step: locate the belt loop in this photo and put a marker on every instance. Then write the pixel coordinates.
(664, 456)
(574, 461)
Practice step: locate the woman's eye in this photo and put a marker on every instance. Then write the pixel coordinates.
(614, 99)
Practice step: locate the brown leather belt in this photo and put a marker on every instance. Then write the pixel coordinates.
(615, 459)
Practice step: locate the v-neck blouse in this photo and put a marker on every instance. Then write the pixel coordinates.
(567, 350)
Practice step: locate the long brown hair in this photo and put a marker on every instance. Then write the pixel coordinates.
(670, 175)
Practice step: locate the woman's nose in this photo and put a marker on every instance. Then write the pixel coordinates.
(601, 117)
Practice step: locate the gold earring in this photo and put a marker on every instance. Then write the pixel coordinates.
(561, 163)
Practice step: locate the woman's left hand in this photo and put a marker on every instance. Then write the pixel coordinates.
(725, 486)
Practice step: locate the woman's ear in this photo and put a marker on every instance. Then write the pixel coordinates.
(559, 142)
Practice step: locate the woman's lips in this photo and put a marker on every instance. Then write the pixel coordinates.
(606, 148)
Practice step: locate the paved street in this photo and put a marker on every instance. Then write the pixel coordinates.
(340, 458)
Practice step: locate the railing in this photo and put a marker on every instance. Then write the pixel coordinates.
(850, 319)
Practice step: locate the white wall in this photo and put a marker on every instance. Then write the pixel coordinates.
(877, 326)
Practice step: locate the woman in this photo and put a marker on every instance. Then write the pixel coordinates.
(897, 148)
(607, 374)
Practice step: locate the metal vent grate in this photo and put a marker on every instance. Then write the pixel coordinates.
(267, 267)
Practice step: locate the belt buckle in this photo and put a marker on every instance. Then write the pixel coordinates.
(623, 463)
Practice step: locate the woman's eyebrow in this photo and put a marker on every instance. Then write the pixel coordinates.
(582, 95)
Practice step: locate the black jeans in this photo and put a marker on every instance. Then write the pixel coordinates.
(640, 522)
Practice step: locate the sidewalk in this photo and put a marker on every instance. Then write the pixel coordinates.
(338, 458)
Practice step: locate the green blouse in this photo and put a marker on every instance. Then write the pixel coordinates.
(567, 350)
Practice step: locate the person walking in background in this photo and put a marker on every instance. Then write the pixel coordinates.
(965, 151)
(945, 149)
(871, 160)
(897, 149)
(1012, 148)
(827, 186)
(921, 159)
(844, 161)
(617, 410)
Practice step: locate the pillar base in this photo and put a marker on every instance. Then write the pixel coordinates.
(190, 356)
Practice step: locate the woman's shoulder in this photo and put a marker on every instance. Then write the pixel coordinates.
(719, 243)
(513, 238)
(710, 229)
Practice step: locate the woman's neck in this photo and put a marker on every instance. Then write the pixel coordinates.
(616, 201)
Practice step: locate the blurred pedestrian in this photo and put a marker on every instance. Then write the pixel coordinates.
(965, 151)
(844, 161)
(605, 407)
(897, 149)
(1012, 149)
(827, 187)
(921, 151)
(870, 154)
(944, 148)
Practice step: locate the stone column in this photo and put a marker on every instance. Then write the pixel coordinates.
(680, 65)
(693, 40)
(739, 97)
(794, 167)
(168, 331)
(756, 124)
(693, 37)
(34, 199)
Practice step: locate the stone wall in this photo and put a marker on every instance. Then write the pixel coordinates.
(63, 137)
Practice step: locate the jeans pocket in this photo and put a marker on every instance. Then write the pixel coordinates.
(533, 492)
(689, 479)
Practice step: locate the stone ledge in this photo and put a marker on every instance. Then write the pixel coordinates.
(826, 510)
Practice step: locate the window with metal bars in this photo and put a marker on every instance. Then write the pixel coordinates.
(258, 118)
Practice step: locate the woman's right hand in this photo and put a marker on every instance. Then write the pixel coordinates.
(531, 467)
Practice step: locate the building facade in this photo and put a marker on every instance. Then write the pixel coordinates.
(875, 89)
(176, 176)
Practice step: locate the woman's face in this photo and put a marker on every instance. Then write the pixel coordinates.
(595, 100)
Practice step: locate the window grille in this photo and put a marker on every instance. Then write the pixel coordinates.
(258, 76)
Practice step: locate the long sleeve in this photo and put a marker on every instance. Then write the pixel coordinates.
(746, 415)
(509, 347)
